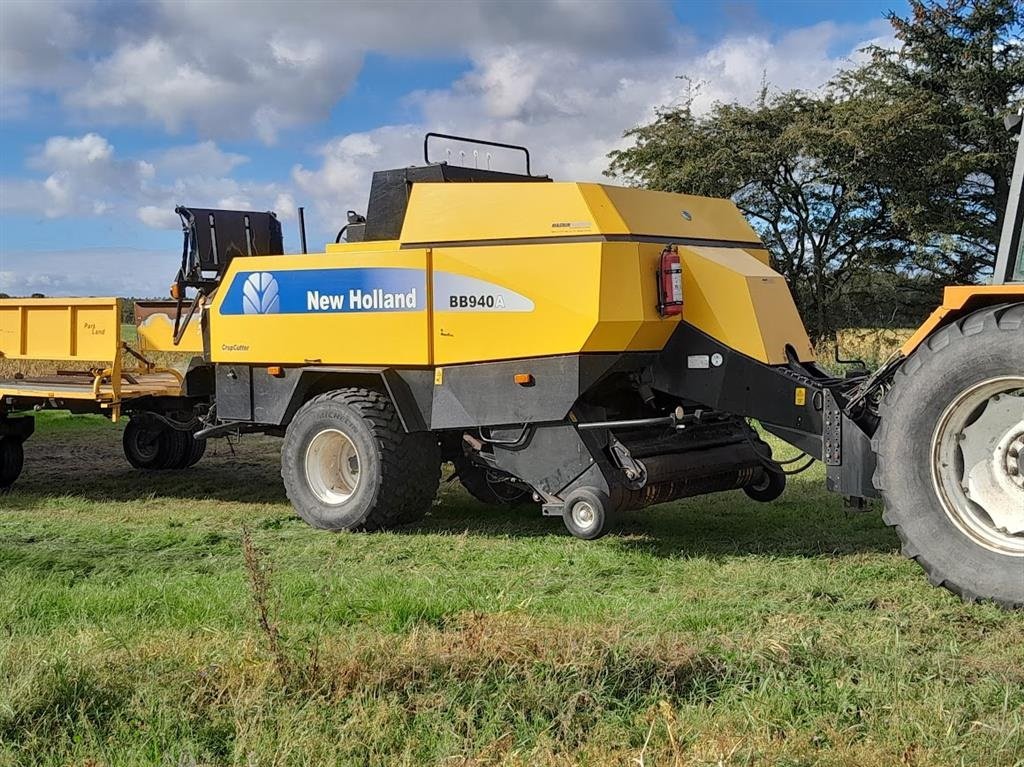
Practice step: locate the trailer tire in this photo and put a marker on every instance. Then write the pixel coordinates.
(587, 513)
(197, 449)
(191, 449)
(938, 396)
(347, 463)
(12, 460)
(475, 481)
(146, 446)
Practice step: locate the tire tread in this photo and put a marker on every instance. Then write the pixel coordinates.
(410, 461)
(1000, 318)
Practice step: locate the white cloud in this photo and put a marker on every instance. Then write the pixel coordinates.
(230, 69)
(571, 106)
(34, 45)
(239, 91)
(84, 176)
(205, 158)
(158, 217)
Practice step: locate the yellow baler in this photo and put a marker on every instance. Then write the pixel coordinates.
(587, 348)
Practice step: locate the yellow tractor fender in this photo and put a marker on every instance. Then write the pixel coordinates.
(958, 301)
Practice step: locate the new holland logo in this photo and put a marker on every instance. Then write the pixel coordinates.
(260, 294)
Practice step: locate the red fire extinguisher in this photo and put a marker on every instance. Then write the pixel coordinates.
(670, 283)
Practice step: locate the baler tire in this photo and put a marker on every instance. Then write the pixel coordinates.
(596, 504)
(398, 472)
(145, 448)
(769, 488)
(474, 480)
(12, 460)
(985, 346)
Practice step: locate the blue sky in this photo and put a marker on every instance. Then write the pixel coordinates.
(111, 113)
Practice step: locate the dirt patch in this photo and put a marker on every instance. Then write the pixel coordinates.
(89, 463)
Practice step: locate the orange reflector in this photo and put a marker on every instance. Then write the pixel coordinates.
(175, 291)
(524, 379)
(276, 370)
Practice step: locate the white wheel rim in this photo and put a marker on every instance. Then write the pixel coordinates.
(332, 467)
(977, 463)
(583, 515)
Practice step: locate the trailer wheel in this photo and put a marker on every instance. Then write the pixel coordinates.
(771, 485)
(146, 446)
(949, 449)
(12, 460)
(348, 464)
(587, 513)
(197, 449)
(191, 449)
(487, 486)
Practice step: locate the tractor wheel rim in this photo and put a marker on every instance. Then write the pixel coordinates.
(976, 463)
(583, 514)
(332, 467)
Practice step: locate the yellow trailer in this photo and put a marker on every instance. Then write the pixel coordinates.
(86, 332)
(91, 369)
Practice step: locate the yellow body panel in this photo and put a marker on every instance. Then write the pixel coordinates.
(736, 299)
(585, 296)
(87, 329)
(355, 338)
(664, 214)
(362, 247)
(513, 270)
(441, 213)
(954, 300)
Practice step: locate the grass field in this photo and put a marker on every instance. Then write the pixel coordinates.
(707, 632)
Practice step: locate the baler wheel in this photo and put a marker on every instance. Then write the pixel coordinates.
(771, 486)
(587, 513)
(492, 490)
(348, 464)
(12, 459)
(949, 447)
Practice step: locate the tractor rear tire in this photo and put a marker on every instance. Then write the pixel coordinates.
(12, 460)
(934, 441)
(477, 482)
(347, 463)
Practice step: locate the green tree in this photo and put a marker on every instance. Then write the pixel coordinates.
(898, 170)
(800, 169)
(962, 61)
